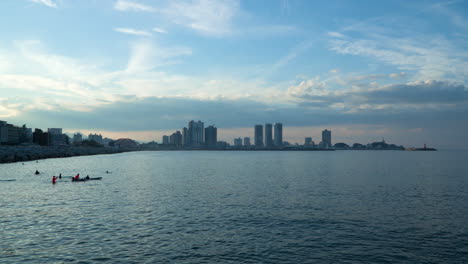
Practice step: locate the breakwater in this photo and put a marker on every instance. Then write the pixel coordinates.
(34, 152)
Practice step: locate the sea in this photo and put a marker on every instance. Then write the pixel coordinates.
(238, 207)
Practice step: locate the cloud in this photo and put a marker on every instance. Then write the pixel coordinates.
(430, 59)
(404, 43)
(335, 34)
(412, 96)
(48, 3)
(159, 30)
(292, 54)
(122, 5)
(146, 55)
(208, 17)
(132, 31)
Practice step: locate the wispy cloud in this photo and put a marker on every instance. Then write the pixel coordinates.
(123, 5)
(132, 31)
(147, 55)
(48, 3)
(159, 30)
(433, 58)
(208, 17)
(292, 54)
(335, 34)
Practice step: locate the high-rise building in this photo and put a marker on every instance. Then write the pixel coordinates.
(246, 141)
(268, 135)
(238, 142)
(211, 136)
(278, 134)
(195, 132)
(176, 138)
(326, 139)
(259, 135)
(185, 137)
(308, 141)
(165, 140)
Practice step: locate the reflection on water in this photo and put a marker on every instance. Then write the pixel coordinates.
(239, 207)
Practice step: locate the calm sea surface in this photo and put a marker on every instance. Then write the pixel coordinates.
(238, 207)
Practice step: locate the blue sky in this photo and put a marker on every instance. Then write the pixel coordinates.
(133, 68)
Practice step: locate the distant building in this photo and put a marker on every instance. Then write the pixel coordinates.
(246, 141)
(176, 138)
(165, 140)
(13, 135)
(278, 134)
(195, 132)
(268, 135)
(185, 137)
(40, 137)
(54, 131)
(77, 138)
(106, 141)
(308, 141)
(222, 145)
(238, 142)
(56, 137)
(259, 135)
(29, 135)
(326, 139)
(95, 137)
(125, 143)
(211, 136)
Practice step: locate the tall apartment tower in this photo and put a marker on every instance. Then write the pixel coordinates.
(195, 132)
(268, 135)
(246, 141)
(326, 138)
(185, 137)
(211, 136)
(259, 135)
(278, 134)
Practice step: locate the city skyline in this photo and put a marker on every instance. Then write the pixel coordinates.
(138, 69)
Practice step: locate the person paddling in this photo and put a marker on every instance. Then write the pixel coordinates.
(77, 177)
(54, 179)
(37, 172)
(60, 176)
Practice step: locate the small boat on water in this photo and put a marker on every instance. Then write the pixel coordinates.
(9, 180)
(85, 179)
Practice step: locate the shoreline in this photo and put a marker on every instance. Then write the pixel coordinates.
(12, 154)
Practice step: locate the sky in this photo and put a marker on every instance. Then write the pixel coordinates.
(367, 70)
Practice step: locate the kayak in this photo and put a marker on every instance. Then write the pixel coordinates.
(84, 179)
(78, 180)
(8, 180)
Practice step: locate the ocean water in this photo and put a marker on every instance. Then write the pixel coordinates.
(238, 207)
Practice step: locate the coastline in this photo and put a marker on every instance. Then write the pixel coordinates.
(10, 154)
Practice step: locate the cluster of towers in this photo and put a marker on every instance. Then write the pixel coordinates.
(268, 139)
(196, 135)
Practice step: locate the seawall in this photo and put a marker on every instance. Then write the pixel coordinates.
(34, 152)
